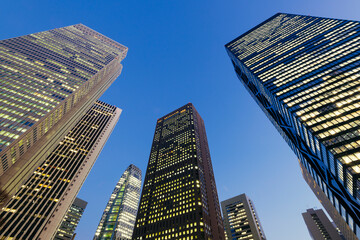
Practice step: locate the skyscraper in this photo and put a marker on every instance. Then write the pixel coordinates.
(37, 209)
(71, 219)
(118, 219)
(48, 81)
(241, 220)
(179, 198)
(304, 73)
(319, 226)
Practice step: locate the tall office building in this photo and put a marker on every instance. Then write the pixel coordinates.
(179, 198)
(118, 219)
(319, 226)
(304, 73)
(241, 220)
(48, 82)
(37, 209)
(71, 219)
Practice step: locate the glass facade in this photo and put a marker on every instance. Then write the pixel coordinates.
(68, 225)
(304, 73)
(179, 198)
(37, 209)
(118, 219)
(48, 81)
(241, 220)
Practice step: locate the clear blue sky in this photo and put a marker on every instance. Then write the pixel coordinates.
(176, 55)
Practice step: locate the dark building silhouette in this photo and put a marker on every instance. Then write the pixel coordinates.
(179, 198)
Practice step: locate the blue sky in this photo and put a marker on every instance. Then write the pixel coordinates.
(177, 55)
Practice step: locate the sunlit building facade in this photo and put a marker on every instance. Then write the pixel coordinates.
(118, 219)
(241, 220)
(48, 81)
(304, 73)
(179, 198)
(319, 226)
(38, 208)
(68, 225)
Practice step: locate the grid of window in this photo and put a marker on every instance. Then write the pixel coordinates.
(71, 220)
(118, 219)
(241, 220)
(174, 202)
(25, 216)
(304, 71)
(42, 76)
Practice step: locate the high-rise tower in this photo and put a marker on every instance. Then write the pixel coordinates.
(241, 220)
(179, 198)
(48, 82)
(71, 220)
(118, 219)
(304, 73)
(39, 206)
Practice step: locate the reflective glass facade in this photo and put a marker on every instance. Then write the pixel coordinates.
(38, 208)
(118, 219)
(48, 80)
(241, 220)
(179, 198)
(304, 73)
(68, 225)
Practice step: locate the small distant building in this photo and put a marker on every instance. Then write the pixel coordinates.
(319, 226)
(71, 220)
(241, 220)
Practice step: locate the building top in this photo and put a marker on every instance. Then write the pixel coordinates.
(103, 38)
(80, 203)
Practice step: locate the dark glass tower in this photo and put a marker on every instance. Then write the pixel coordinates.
(304, 72)
(179, 198)
(48, 81)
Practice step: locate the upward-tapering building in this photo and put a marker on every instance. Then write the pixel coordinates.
(48, 82)
(39, 206)
(118, 219)
(304, 72)
(179, 198)
(241, 220)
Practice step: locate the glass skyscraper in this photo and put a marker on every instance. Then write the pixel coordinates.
(241, 220)
(71, 219)
(48, 81)
(179, 198)
(118, 219)
(304, 73)
(39, 206)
